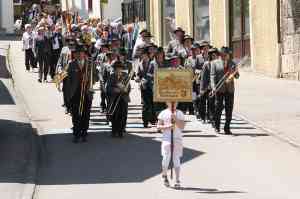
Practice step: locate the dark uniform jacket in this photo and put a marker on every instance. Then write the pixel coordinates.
(72, 82)
(115, 88)
(146, 74)
(173, 48)
(217, 73)
(205, 77)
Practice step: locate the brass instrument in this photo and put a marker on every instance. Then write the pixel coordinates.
(197, 76)
(58, 78)
(113, 106)
(228, 77)
(87, 82)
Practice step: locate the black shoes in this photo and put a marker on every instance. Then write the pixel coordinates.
(227, 132)
(75, 140)
(166, 181)
(39, 80)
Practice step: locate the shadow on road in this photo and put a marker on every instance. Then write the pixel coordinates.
(5, 96)
(102, 160)
(208, 191)
(16, 152)
(4, 73)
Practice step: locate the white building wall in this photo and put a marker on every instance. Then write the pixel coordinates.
(112, 10)
(7, 15)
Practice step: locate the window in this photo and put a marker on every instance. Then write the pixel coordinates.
(90, 5)
(132, 11)
(168, 21)
(201, 20)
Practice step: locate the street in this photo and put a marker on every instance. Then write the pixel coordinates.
(249, 164)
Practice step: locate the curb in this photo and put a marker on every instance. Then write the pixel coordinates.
(32, 164)
(280, 136)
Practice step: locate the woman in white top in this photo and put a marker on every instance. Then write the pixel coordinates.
(165, 126)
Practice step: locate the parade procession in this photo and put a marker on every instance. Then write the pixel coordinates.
(151, 99)
(186, 77)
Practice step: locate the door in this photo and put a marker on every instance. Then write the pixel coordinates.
(239, 28)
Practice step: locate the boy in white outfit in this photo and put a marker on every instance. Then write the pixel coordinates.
(165, 125)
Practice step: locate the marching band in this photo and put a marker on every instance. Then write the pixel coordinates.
(213, 82)
(84, 55)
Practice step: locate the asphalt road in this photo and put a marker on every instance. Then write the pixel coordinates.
(249, 164)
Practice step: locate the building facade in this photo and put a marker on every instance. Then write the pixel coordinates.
(110, 9)
(6, 16)
(268, 31)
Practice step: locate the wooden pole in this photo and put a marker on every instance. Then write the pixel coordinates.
(173, 108)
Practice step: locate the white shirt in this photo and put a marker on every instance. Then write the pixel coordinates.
(27, 40)
(55, 45)
(165, 116)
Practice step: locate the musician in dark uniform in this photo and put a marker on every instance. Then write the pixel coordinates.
(175, 45)
(207, 104)
(195, 63)
(122, 57)
(78, 94)
(118, 89)
(145, 75)
(159, 62)
(225, 95)
(101, 59)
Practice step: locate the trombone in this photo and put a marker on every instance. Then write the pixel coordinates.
(228, 77)
(87, 82)
(113, 106)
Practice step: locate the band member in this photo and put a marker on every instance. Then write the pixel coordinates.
(175, 45)
(145, 74)
(186, 50)
(205, 46)
(165, 126)
(122, 57)
(118, 89)
(225, 95)
(102, 62)
(207, 104)
(195, 63)
(78, 94)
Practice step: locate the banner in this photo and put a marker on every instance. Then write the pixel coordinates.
(173, 85)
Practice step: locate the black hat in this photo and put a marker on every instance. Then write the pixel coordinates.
(204, 43)
(80, 48)
(173, 57)
(188, 37)
(148, 34)
(142, 31)
(160, 50)
(123, 51)
(144, 51)
(196, 45)
(226, 50)
(178, 29)
(117, 64)
(115, 38)
(213, 50)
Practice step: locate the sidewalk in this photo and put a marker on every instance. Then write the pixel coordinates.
(17, 142)
(273, 104)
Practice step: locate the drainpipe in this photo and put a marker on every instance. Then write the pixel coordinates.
(279, 66)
